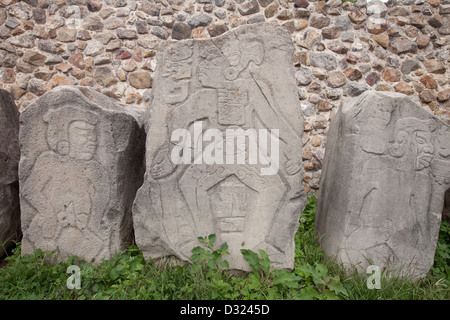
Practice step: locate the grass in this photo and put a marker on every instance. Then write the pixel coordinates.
(129, 276)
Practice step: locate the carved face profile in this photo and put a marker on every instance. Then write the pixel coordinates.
(442, 144)
(82, 140)
(398, 148)
(209, 70)
(425, 149)
(210, 74)
(71, 131)
(421, 132)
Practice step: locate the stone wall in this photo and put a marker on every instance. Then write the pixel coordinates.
(342, 50)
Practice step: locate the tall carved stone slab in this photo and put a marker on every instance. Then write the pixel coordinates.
(386, 171)
(242, 80)
(9, 178)
(81, 164)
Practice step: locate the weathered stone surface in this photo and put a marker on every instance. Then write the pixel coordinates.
(77, 60)
(249, 7)
(81, 164)
(429, 82)
(385, 173)
(331, 32)
(217, 29)
(444, 95)
(404, 88)
(34, 58)
(61, 29)
(338, 47)
(303, 76)
(353, 74)
(323, 60)
(445, 28)
(381, 39)
(200, 20)
(357, 16)
(301, 3)
(409, 65)
(336, 79)
(392, 75)
(434, 66)
(9, 178)
(319, 21)
(181, 31)
(104, 76)
(93, 48)
(354, 89)
(269, 12)
(422, 40)
(376, 25)
(265, 3)
(427, 95)
(126, 34)
(160, 32)
(66, 34)
(401, 46)
(242, 79)
(309, 39)
(141, 80)
(141, 27)
(376, 9)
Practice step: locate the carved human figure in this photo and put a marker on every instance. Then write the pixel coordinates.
(440, 174)
(236, 102)
(389, 209)
(65, 180)
(222, 88)
(403, 227)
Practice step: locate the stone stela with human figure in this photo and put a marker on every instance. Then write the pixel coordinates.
(386, 172)
(73, 195)
(241, 81)
(10, 231)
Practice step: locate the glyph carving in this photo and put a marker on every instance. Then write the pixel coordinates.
(73, 188)
(392, 171)
(240, 82)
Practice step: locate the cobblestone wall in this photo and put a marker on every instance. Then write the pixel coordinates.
(342, 49)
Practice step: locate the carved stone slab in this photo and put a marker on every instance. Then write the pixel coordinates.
(385, 174)
(242, 80)
(9, 179)
(81, 164)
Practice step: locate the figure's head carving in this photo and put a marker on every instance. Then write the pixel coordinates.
(228, 62)
(421, 132)
(442, 143)
(71, 131)
(400, 145)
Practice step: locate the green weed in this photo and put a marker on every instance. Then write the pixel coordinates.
(128, 275)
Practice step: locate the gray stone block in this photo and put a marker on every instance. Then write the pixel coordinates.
(9, 179)
(81, 164)
(243, 80)
(385, 174)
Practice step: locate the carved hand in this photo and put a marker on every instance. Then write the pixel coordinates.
(294, 161)
(162, 165)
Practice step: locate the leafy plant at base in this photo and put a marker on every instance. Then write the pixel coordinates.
(212, 258)
(265, 282)
(441, 266)
(319, 283)
(127, 275)
(209, 264)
